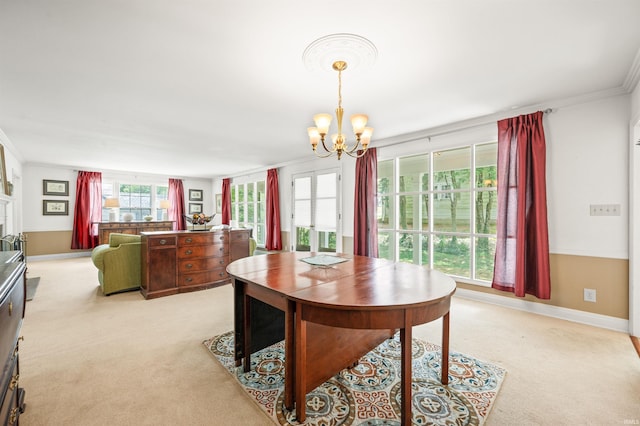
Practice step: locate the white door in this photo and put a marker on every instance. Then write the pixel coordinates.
(316, 212)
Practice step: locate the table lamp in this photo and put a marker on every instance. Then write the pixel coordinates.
(113, 204)
(165, 205)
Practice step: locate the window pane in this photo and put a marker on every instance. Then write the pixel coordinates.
(326, 185)
(234, 189)
(260, 234)
(486, 166)
(325, 214)
(414, 173)
(452, 169)
(327, 242)
(451, 255)
(385, 177)
(384, 212)
(303, 188)
(414, 211)
(486, 212)
(250, 191)
(406, 243)
(302, 213)
(452, 212)
(302, 239)
(240, 194)
(485, 253)
(385, 246)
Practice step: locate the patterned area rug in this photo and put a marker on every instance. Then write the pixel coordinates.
(368, 394)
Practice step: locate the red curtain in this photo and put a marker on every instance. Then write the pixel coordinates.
(88, 210)
(226, 201)
(176, 201)
(274, 240)
(522, 248)
(365, 224)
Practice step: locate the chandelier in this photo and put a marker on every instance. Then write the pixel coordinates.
(340, 146)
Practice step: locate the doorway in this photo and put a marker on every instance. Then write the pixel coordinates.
(316, 216)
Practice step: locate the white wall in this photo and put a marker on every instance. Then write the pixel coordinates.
(587, 146)
(34, 174)
(587, 149)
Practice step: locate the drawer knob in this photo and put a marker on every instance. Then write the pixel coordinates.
(13, 415)
(221, 248)
(222, 261)
(14, 382)
(222, 274)
(189, 279)
(10, 308)
(189, 240)
(189, 266)
(163, 241)
(221, 237)
(188, 252)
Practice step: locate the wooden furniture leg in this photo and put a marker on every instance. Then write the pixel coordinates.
(289, 355)
(406, 337)
(300, 392)
(444, 374)
(247, 331)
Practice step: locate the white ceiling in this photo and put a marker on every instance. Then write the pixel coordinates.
(203, 88)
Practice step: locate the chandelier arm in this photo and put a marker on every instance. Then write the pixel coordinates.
(325, 147)
(349, 153)
(322, 156)
(354, 147)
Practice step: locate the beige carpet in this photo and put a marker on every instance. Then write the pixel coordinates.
(122, 360)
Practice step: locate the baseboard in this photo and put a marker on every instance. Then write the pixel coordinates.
(596, 320)
(58, 256)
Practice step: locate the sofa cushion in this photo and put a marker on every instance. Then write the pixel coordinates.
(116, 239)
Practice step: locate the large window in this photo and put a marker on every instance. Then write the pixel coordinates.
(248, 208)
(439, 209)
(138, 199)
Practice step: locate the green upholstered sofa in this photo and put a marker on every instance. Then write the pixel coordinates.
(118, 263)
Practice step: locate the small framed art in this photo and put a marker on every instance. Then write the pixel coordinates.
(55, 207)
(55, 187)
(195, 195)
(218, 203)
(195, 208)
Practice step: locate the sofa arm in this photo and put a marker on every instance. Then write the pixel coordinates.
(97, 255)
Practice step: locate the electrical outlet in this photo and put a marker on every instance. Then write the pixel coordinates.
(589, 295)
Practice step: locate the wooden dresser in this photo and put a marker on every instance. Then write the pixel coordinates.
(106, 228)
(180, 261)
(12, 304)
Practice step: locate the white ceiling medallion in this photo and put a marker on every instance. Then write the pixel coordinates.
(354, 50)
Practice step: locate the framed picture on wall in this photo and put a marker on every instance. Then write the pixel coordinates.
(55, 187)
(218, 203)
(195, 195)
(195, 208)
(55, 207)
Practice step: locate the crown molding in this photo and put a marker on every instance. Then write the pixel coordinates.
(633, 76)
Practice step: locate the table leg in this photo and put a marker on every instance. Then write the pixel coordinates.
(246, 301)
(405, 366)
(289, 355)
(300, 395)
(444, 374)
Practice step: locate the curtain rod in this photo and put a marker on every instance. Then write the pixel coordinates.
(446, 129)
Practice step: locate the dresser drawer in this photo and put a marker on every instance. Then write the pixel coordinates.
(201, 238)
(164, 241)
(9, 410)
(11, 313)
(212, 250)
(239, 235)
(202, 277)
(202, 264)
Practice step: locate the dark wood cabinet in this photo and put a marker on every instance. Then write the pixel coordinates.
(12, 305)
(180, 261)
(135, 228)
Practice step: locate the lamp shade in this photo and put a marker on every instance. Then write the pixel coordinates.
(111, 202)
(165, 204)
